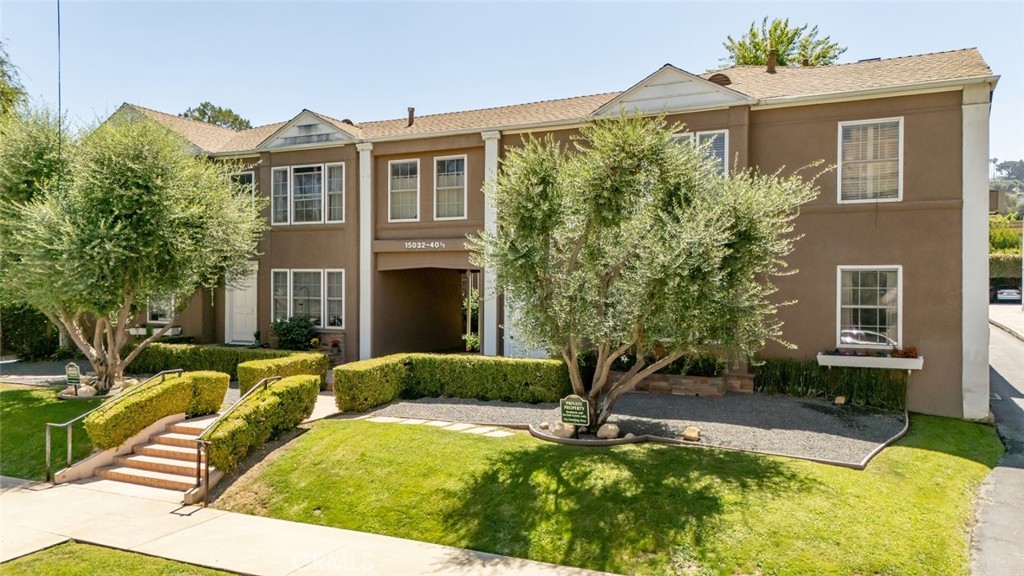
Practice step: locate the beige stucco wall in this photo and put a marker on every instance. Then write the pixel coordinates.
(922, 233)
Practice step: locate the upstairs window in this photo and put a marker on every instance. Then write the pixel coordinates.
(307, 194)
(279, 197)
(335, 192)
(717, 143)
(304, 195)
(403, 191)
(871, 160)
(245, 181)
(450, 188)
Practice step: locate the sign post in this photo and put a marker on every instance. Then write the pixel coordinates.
(574, 410)
(74, 375)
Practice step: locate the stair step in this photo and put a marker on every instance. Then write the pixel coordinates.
(184, 453)
(194, 426)
(157, 464)
(147, 477)
(175, 439)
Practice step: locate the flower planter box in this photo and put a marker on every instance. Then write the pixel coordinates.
(871, 362)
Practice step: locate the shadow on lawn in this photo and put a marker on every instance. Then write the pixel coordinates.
(606, 509)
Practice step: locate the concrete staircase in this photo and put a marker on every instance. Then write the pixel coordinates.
(168, 461)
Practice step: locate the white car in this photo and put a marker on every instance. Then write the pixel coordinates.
(1008, 295)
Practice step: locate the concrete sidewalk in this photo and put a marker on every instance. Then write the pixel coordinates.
(1008, 317)
(37, 515)
(997, 541)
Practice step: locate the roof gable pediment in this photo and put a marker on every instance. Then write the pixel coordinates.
(306, 129)
(672, 89)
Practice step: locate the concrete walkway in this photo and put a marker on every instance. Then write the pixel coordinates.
(37, 516)
(997, 541)
(1008, 317)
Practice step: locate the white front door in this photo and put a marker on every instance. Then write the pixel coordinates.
(514, 346)
(240, 310)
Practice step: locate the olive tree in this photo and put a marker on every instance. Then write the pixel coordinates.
(137, 217)
(631, 242)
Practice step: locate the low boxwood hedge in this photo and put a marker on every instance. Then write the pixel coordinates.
(360, 386)
(158, 357)
(295, 364)
(264, 415)
(195, 393)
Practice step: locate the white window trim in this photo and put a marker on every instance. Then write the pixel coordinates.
(899, 304)
(465, 187)
(287, 198)
(149, 309)
(344, 192)
(694, 138)
(344, 298)
(291, 194)
(291, 290)
(418, 186)
(839, 162)
(288, 291)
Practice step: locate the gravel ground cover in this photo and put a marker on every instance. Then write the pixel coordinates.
(798, 427)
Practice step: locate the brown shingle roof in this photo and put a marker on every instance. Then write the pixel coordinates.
(750, 80)
(208, 137)
(865, 75)
(516, 115)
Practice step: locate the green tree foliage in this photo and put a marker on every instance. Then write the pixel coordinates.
(211, 114)
(12, 92)
(32, 157)
(1011, 169)
(137, 217)
(793, 44)
(632, 243)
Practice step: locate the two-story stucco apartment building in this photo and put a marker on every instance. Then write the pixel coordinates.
(368, 220)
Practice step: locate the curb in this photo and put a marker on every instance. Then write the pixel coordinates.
(1007, 329)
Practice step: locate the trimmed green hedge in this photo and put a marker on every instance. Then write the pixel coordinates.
(195, 393)
(861, 386)
(266, 414)
(295, 364)
(360, 386)
(158, 357)
(1004, 266)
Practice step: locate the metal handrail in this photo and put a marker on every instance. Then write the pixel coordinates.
(68, 426)
(203, 445)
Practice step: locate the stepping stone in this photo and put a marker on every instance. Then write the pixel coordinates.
(384, 419)
(499, 434)
(459, 426)
(440, 423)
(479, 430)
(412, 421)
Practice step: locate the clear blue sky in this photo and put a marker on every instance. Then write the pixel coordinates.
(270, 60)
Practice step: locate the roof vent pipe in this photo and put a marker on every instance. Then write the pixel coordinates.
(773, 59)
(412, 116)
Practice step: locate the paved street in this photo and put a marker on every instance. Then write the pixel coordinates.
(997, 544)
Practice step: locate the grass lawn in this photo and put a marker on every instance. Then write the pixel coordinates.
(24, 412)
(636, 509)
(72, 559)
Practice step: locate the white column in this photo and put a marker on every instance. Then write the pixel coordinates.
(365, 248)
(974, 230)
(489, 318)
